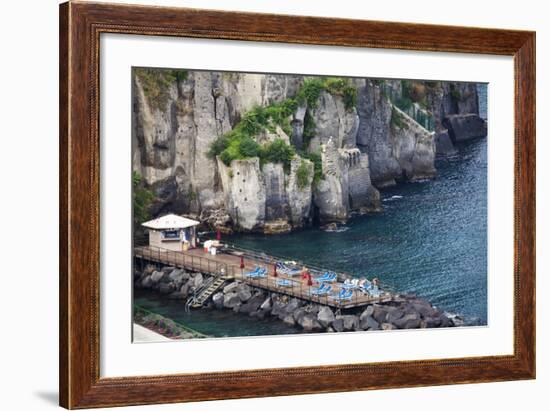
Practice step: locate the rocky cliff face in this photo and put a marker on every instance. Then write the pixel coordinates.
(413, 147)
(375, 114)
(398, 147)
(446, 99)
(178, 116)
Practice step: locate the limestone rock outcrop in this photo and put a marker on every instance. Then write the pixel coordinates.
(363, 146)
(375, 114)
(413, 148)
(244, 190)
(333, 120)
(464, 127)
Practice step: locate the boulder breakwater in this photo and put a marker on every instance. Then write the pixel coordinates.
(403, 311)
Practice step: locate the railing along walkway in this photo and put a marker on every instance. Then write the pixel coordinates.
(227, 265)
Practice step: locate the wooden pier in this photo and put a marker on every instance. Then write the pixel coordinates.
(227, 264)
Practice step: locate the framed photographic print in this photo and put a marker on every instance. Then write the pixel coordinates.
(259, 205)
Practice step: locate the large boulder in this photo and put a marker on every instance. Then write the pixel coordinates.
(325, 316)
(177, 276)
(252, 304)
(338, 324)
(147, 282)
(394, 315)
(424, 308)
(309, 323)
(366, 312)
(185, 288)
(350, 322)
(289, 320)
(299, 314)
(369, 323)
(293, 305)
(218, 300)
(380, 313)
(198, 280)
(266, 305)
(149, 269)
(445, 321)
(464, 127)
(278, 307)
(157, 276)
(244, 292)
(408, 321)
(230, 288)
(231, 300)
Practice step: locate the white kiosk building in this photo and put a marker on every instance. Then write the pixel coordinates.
(172, 232)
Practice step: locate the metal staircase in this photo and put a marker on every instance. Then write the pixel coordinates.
(202, 294)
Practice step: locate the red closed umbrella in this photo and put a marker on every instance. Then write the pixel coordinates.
(242, 262)
(274, 270)
(218, 235)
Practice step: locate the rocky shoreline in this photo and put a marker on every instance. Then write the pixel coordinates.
(404, 311)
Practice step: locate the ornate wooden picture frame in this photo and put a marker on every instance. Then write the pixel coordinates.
(81, 25)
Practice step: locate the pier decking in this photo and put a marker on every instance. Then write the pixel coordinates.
(227, 263)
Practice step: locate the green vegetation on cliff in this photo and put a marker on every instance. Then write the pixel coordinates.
(240, 142)
(156, 83)
(311, 89)
(141, 200)
(315, 158)
(302, 175)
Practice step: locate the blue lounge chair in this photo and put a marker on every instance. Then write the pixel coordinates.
(350, 286)
(343, 295)
(262, 273)
(259, 272)
(284, 283)
(327, 277)
(366, 286)
(287, 270)
(253, 272)
(324, 289)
